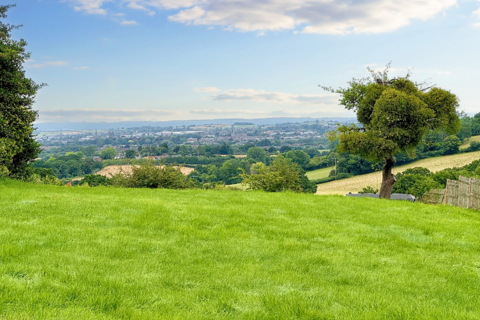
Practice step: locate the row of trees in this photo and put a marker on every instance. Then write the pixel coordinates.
(281, 175)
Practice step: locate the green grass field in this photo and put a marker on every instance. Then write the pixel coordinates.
(105, 253)
(319, 174)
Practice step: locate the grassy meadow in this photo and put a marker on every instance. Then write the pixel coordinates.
(319, 173)
(105, 253)
(374, 179)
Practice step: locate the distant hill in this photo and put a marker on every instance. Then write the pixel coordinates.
(374, 179)
(131, 124)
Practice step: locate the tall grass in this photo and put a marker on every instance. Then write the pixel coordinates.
(106, 253)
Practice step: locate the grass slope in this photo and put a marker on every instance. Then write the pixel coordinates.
(357, 183)
(319, 173)
(104, 253)
(467, 142)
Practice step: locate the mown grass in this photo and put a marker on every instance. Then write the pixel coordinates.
(319, 173)
(104, 253)
(467, 142)
(374, 179)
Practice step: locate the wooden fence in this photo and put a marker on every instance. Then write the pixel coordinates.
(464, 192)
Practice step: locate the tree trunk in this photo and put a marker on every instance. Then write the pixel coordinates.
(388, 178)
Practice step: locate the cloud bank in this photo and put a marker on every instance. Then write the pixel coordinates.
(309, 16)
(274, 97)
(46, 64)
(206, 89)
(100, 115)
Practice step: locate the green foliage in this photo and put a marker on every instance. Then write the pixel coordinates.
(258, 154)
(281, 175)
(284, 149)
(108, 153)
(95, 180)
(69, 166)
(368, 189)
(151, 176)
(417, 181)
(415, 184)
(17, 94)
(476, 125)
(43, 179)
(130, 154)
(395, 115)
(474, 146)
(465, 129)
(451, 145)
(88, 151)
(299, 157)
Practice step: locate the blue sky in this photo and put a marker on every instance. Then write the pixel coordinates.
(116, 60)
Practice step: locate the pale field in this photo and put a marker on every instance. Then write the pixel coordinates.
(319, 173)
(466, 144)
(357, 183)
(116, 169)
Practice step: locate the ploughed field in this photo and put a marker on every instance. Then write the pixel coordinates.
(374, 179)
(107, 253)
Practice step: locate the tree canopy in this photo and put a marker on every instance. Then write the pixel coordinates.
(17, 93)
(394, 115)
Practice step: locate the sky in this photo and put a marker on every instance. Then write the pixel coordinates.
(159, 60)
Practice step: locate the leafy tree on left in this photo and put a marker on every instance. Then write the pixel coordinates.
(17, 93)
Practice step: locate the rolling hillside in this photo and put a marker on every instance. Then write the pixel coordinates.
(106, 253)
(467, 142)
(319, 173)
(357, 183)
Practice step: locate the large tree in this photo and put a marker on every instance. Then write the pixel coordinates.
(17, 93)
(394, 115)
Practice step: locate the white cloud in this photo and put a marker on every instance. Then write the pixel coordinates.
(308, 16)
(274, 97)
(48, 63)
(206, 89)
(444, 72)
(477, 12)
(229, 111)
(56, 63)
(90, 6)
(128, 23)
(96, 115)
(81, 68)
(246, 113)
(136, 6)
(37, 65)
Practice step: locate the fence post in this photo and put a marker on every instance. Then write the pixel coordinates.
(445, 197)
